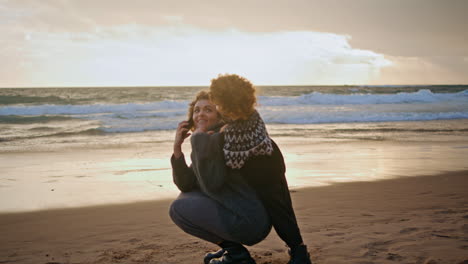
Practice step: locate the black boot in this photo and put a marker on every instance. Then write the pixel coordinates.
(212, 255)
(234, 254)
(299, 255)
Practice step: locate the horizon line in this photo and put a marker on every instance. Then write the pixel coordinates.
(276, 85)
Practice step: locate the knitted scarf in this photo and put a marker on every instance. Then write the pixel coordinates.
(244, 139)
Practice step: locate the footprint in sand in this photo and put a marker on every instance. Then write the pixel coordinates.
(133, 240)
(395, 257)
(408, 230)
(373, 248)
(335, 234)
(449, 211)
(148, 246)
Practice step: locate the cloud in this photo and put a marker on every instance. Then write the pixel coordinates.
(185, 55)
(425, 70)
(397, 27)
(146, 42)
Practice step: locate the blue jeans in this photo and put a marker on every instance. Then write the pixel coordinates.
(200, 216)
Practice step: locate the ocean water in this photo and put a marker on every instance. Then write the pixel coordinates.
(49, 113)
(71, 147)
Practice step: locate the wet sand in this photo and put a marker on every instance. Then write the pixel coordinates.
(38, 180)
(421, 219)
(382, 193)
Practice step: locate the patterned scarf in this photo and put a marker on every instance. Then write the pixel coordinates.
(244, 139)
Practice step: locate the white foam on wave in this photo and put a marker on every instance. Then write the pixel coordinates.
(317, 98)
(305, 109)
(113, 118)
(359, 116)
(92, 109)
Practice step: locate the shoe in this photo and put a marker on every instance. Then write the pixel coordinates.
(234, 255)
(299, 255)
(212, 255)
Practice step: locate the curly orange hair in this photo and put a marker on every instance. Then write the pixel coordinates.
(234, 94)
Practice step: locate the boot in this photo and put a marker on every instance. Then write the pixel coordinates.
(234, 254)
(212, 255)
(299, 255)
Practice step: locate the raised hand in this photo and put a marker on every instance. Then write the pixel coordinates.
(182, 132)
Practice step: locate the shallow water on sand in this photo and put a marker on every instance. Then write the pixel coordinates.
(116, 168)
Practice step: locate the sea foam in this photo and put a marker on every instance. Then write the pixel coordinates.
(91, 109)
(317, 98)
(307, 108)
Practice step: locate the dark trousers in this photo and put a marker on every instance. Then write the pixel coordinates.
(200, 216)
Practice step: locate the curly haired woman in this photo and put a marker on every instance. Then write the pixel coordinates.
(216, 204)
(249, 150)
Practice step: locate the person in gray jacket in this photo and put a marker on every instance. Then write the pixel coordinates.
(216, 204)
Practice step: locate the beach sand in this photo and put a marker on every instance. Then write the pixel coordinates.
(382, 193)
(422, 219)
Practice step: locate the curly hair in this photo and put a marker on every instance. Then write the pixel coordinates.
(234, 94)
(201, 95)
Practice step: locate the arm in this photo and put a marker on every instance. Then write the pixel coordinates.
(181, 135)
(182, 175)
(208, 160)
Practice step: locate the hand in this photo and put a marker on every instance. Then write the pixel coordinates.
(181, 135)
(223, 128)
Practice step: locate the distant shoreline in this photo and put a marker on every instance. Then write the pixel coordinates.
(260, 86)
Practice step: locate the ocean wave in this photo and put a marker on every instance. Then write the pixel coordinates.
(150, 115)
(21, 99)
(91, 109)
(288, 117)
(46, 132)
(317, 98)
(310, 108)
(173, 108)
(17, 119)
(131, 129)
(353, 117)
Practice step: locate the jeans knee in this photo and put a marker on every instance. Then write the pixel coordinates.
(174, 211)
(179, 212)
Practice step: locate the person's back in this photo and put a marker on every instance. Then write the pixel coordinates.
(249, 149)
(266, 175)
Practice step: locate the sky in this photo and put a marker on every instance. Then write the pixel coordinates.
(271, 42)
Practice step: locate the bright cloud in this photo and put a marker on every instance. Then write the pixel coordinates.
(185, 55)
(146, 42)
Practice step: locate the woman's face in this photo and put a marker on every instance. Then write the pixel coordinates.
(204, 114)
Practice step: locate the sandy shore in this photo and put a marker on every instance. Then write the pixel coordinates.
(407, 220)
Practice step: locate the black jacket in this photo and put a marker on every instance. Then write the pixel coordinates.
(209, 174)
(265, 174)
